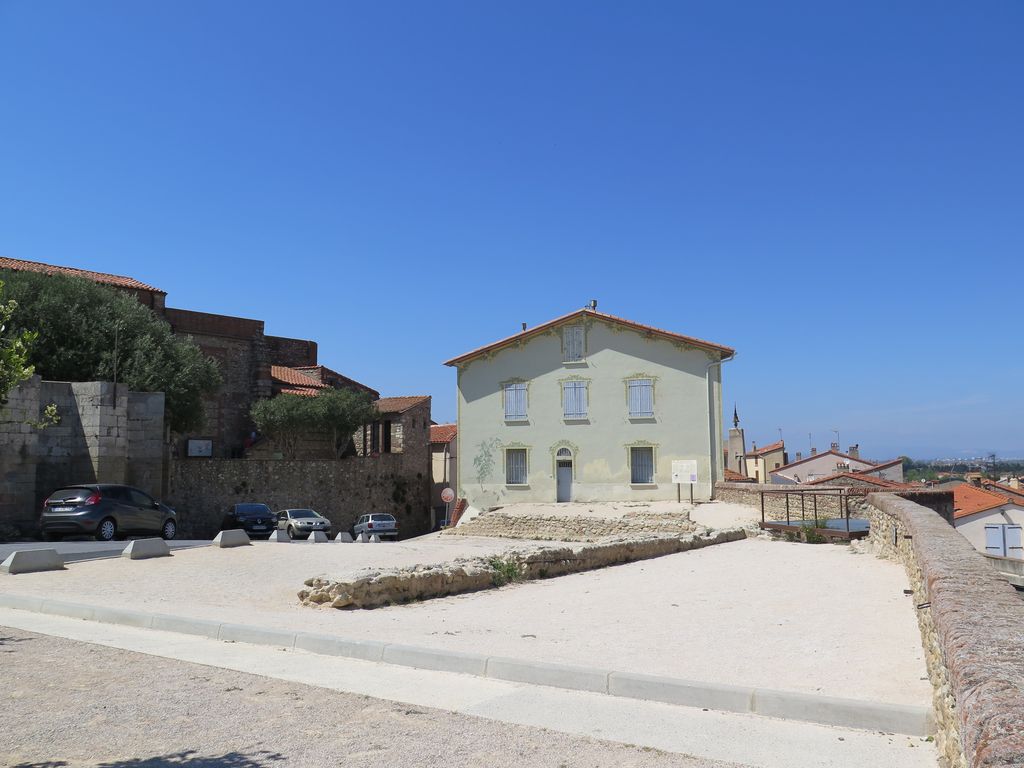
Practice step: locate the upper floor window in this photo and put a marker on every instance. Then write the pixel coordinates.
(572, 343)
(641, 398)
(515, 466)
(515, 401)
(574, 399)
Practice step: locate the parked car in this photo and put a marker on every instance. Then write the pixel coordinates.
(300, 523)
(105, 511)
(384, 526)
(257, 520)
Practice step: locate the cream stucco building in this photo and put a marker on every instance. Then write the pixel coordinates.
(588, 407)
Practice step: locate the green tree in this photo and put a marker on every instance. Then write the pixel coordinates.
(15, 346)
(285, 419)
(89, 332)
(339, 413)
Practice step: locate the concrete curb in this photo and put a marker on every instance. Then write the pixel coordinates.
(32, 561)
(143, 549)
(788, 705)
(234, 537)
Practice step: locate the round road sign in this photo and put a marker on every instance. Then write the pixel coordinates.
(447, 495)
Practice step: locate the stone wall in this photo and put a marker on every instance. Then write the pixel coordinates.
(203, 489)
(971, 623)
(294, 353)
(828, 505)
(574, 528)
(101, 437)
(419, 582)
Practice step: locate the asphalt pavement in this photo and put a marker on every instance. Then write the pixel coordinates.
(89, 550)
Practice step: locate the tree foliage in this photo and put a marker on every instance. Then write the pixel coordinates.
(334, 412)
(90, 332)
(15, 346)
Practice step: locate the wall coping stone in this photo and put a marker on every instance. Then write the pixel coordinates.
(979, 620)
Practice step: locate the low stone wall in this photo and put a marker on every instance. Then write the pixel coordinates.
(972, 628)
(401, 585)
(828, 505)
(572, 528)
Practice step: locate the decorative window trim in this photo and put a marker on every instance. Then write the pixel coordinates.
(504, 454)
(572, 448)
(504, 401)
(561, 396)
(583, 344)
(654, 462)
(654, 395)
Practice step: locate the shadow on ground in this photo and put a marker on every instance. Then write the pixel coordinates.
(190, 758)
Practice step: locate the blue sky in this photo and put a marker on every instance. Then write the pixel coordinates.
(833, 189)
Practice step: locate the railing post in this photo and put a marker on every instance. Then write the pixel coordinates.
(787, 508)
(815, 497)
(846, 506)
(762, 507)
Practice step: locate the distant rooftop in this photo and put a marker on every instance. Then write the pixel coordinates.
(118, 281)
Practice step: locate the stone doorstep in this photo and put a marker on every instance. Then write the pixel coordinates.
(906, 719)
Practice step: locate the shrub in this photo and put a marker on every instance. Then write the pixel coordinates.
(506, 570)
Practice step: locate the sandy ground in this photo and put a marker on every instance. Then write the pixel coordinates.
(719, 514)
(94, 706)
(816, 619)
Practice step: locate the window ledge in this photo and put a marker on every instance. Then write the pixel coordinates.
(517, 486)
(575, 363)
(643, 419)
(523, 420)
(643, 485)
(576, 420)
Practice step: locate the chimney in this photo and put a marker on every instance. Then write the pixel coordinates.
(854, 451)
(814, 451)
(592, 305)
(835, 447)
(524, 326)
(1015, 482)
(799, 455)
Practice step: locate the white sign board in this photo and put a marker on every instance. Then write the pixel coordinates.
(200, 448)
(684, 471)
(447, 495)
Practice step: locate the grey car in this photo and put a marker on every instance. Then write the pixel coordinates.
(299, 523)
(106, 512)
(383, 525)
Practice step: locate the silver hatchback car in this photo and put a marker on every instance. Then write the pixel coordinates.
(299, 523)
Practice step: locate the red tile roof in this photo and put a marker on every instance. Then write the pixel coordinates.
(768, 449)
(443, 433)
(1014, 494)
(732, 476)
(587, 312)
(321, 372)
(877, 467)
(289, 376)
(119, 281)
(301, 391)
(399, 404)
(969, 500)
(805, 459)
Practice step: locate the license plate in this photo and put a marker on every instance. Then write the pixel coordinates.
(61, 509)
(259, 527)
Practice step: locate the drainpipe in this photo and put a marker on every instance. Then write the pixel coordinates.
(711, 423)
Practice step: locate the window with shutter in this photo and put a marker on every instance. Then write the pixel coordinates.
(515, 466)
(574, 399)
(641, 465)
(572, 343)
(641, 398)
(515, 401)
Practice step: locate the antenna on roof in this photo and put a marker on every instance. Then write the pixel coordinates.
(592, 305)
(524, 326)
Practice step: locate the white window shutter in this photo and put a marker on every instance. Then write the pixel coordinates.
(994, 541)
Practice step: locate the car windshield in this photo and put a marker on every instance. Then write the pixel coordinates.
(252, 509)
(303, 513)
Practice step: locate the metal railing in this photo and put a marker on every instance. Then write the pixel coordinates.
(843, 505)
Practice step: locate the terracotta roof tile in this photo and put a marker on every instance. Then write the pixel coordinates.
(861, 477)
(443, 433)
(399, 404)
(119, 281)
(322, 372)
(768, 449)
(969, 500)
(587, 312)
(732, 476)
(294, 378)
(301, 391)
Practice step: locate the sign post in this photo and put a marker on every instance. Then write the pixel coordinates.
(447, 496)
(684, 471)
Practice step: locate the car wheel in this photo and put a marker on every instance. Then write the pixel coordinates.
(291, 532)
(106, 530)
(169, 531)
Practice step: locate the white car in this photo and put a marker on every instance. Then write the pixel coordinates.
(299, 523)
(383, 525)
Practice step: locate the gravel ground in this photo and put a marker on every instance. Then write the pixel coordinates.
(815, 619)
(76, 704)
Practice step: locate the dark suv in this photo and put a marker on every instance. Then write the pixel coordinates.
(257, 520)
(106, 512)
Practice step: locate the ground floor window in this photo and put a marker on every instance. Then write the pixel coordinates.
(641, 465)
(515, 466)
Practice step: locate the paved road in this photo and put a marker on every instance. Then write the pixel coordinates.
(89, 550)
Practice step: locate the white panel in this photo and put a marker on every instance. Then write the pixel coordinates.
(995, 541)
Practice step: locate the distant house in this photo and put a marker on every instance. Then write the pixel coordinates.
(443, 467)
(760, 462)
(990, 521)
(588, 407)
(861, 480)
(833, 462)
